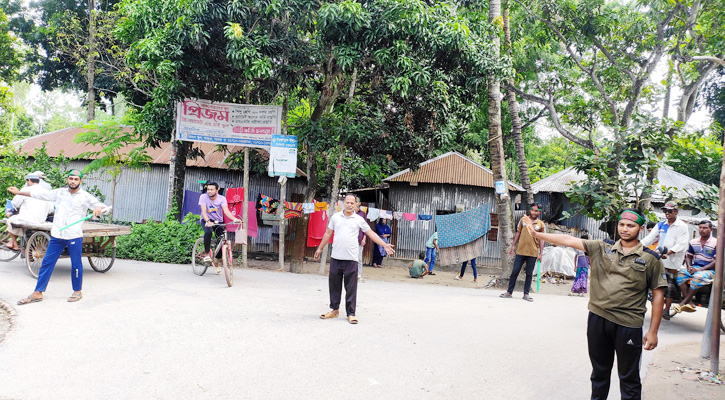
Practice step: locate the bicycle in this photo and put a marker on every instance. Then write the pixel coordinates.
(224, 245)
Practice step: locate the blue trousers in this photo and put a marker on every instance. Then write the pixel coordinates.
(55, 248)
(473, 265)
(430, 257)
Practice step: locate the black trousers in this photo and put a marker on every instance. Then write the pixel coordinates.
(518, 263)
(606, 339)
(343, 270)
(218, 232)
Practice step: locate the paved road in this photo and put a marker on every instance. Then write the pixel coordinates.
(157, 331)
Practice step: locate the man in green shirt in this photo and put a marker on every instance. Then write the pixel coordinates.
(418, 268)
(622, 272)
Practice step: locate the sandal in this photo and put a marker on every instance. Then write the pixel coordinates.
(528, 298)
(331, 314)
(75, 297)
(29, 300)
(505, 295)
(352, 319)
(688, 308)
(431, 273)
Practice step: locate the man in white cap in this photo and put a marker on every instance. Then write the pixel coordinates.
(45, 185)
(32, 211)
(674, 239)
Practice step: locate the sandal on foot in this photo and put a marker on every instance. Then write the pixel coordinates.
(352, 319)
(528, 298)
(29, 300)
(75, 297)
(458, 278)
(431, 273)
(331, 314)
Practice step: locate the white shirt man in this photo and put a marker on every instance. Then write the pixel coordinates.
(344, 259)
(32, 211)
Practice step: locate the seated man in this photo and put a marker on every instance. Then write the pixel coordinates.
(213, 208)
(699, 272)
(418, 268)
(32, 211)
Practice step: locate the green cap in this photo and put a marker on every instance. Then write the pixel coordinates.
(75, 172)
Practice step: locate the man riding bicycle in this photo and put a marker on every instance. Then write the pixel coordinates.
(213, 208)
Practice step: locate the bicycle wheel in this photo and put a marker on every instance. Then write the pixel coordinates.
(227, 261)
(35, 251)
(6, 255)
(103, 260)
(197, 258)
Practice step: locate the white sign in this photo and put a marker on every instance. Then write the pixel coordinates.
(283, 156)
(227, 123)
(500, 187)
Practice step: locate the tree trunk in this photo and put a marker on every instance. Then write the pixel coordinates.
(177, 175)
(333, 200)
(91, 62)
(516, 119)
(503, 201)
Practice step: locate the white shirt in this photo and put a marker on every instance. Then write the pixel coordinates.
(69, 208)
(345, 245)
(675, 237)
(33, 211)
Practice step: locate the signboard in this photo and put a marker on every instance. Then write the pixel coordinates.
(500, 187)
(227, 123)
(283, 156)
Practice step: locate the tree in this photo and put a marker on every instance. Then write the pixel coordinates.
(116, 141)
(10, 54)
(414, 64)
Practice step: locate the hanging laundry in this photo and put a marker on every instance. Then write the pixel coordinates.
(316, 227)
(385, 214)
(464, 227)
(234, 203)
(409, 216)
(424, 217)
(292, 210)
(308, 208)
(191, 203)
(373, 213)
(397, 215)
(267, 204)
(252, 228)
(321, 206)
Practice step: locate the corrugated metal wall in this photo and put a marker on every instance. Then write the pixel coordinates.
(429, 199)
(142, 195)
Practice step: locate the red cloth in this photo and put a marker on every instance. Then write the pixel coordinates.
(316, 228)
(235, 198)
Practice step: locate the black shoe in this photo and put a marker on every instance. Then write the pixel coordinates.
(666, 316)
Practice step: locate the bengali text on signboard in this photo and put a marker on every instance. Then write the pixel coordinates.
(283, 156)
(227, 123)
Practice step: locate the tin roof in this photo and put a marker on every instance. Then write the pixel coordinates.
(452, 168)
(560, 181)
(62, 141)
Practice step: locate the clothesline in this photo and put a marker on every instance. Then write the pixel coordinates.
(294, 210)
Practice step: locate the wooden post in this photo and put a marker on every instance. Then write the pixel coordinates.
(245, 206)
(716, 302)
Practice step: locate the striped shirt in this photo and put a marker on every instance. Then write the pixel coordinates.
(702, 255)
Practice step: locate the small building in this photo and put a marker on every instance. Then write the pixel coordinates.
(551, 193)
(142, 195)
(442, 185)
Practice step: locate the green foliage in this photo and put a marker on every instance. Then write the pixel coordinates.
(611, 187)
(705, 200)
(10, 54)
(698, 156)
(168, 241)
(119, 146)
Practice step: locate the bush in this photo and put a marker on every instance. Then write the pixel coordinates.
(166, 242)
